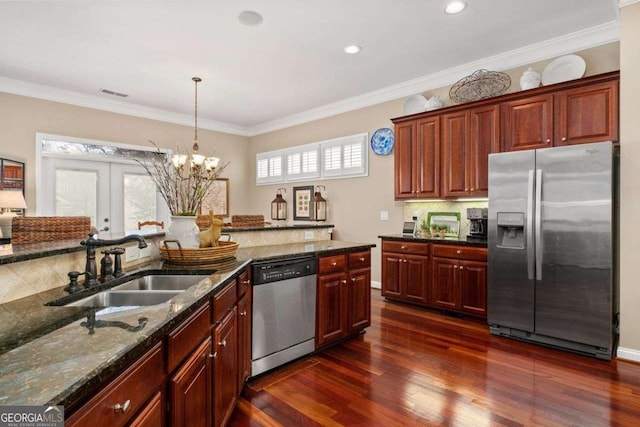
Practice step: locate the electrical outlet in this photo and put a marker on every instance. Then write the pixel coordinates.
(308, 235)
(384, 215)
(131, 253)
(145, 252)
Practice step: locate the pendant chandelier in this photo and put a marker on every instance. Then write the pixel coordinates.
(197, 160)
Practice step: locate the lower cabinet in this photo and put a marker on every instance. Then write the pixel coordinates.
(131, 397)
(405, 271)
(191, 390)
(459, 281)
(225, 369)
(343, 305)
(153, 414)
(244, 329)
(452, 278)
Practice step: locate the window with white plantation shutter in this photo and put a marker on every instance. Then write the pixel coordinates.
(303, 163)
(269, 167)
(343, 157)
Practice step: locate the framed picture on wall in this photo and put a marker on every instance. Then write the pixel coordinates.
(218, 198)
(302, 197)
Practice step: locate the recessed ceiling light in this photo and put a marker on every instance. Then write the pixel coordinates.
(455, 6)
(352, 49)
(250, 18)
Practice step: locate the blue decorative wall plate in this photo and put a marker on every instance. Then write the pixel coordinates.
(382, 141)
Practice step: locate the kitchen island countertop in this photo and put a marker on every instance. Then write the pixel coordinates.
(47, 355)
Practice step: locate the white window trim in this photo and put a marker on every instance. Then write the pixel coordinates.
(361, 138)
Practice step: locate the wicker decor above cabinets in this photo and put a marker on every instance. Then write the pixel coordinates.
(444, 153)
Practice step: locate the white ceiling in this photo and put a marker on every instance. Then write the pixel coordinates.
(288, 70)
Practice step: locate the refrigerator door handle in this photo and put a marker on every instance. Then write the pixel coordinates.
(529, 237)
(538, 226)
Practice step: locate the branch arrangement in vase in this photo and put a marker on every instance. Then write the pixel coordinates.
(183, 183)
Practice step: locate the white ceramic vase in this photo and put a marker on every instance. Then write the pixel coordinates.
(185, 230)
(530, 79)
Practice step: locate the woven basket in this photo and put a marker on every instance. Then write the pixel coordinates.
(172, 252)
(32, 229)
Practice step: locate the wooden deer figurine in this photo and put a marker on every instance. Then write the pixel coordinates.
(210, 236)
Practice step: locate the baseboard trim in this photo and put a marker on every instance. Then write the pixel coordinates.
(629, 354)
(376, 284)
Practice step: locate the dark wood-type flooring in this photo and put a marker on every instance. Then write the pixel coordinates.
(419, 367)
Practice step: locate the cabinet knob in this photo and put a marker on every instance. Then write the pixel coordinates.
(353, 279)
(243, 313)
(333, 264)
(455, 266)
(548, 141)
(404, 260)
(122, 408)
(344, 282)
(214, 355)
(458, 251)
(473, 189)
(461, 267)
(246, 282)
(223, 343)
(361, 259)
(564, 138)
(403, 247)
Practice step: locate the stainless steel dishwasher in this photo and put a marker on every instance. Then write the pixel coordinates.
(284, 312)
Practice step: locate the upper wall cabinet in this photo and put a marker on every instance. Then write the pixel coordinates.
(444, 153)
(417, 159)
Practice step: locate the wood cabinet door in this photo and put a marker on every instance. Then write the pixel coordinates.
(484, 139)
(455, 144)
(587, 114)
(414, 273)
(331, 308)
(191, 390)
(244, 339)
(405, 137)
(359, 296)
(225, 370)
(444, 291)
(527, 123)
(472, 277)
(153, 414)
(391, 274)
(427, 158)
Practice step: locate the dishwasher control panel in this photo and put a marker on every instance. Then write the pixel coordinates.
(273, 271)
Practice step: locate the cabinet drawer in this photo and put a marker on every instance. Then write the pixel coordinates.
(332, 264)
(359, 260)
(182, 340)
(405, 247)
(135, 386)
(244, 281)
(460, 252)
(224, 300)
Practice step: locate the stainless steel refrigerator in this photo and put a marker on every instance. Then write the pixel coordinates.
(551, 241)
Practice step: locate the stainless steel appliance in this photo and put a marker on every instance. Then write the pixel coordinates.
(551, 243)
(284, 312)
(478, 220)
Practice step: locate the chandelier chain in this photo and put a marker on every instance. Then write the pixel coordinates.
(196, 147)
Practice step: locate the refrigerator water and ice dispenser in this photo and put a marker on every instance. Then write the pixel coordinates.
(510, 230)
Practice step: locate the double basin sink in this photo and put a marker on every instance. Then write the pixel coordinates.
(147, 290)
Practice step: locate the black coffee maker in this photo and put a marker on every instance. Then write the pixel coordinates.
(478, 218)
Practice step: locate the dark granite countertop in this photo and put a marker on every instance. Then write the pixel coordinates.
(446, 241)
(48, 357)
(275, 227)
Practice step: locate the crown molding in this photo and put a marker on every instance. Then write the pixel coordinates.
(34, 90)
(568, 43)
(624, 3)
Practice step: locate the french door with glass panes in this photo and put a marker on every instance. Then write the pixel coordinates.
(116, 196)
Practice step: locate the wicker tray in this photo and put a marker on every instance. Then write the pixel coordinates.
(172, 252)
